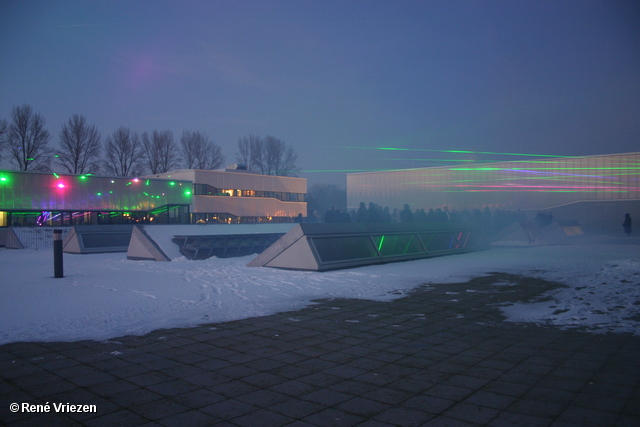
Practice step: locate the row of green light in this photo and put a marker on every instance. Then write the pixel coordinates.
(134, 180)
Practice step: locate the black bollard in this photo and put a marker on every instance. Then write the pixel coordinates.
(57, 254)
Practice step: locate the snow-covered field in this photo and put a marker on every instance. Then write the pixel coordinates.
(105, 296)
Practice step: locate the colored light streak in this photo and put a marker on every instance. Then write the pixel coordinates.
(459, 151)
(542, 169)
(442, 160)
(56, 175)
(348, 170)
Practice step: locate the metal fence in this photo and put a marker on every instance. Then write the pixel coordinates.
(38, 237)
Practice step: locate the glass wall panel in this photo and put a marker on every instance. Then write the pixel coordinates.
(474, 239)
(343, 248)
(438, 241)
(397, 244)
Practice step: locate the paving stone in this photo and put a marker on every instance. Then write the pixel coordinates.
(491, 400)
(92, 379)
(173, 387)
(261, 418)
(229, 409)
(112, 387)
(333, 417)
(513, 419)
(587, 417)
(157, 409)
(136, 396)
(233, 389)
(431, 404)
(190, 419)
(364, 407)
(388, 395)
(150, 378)
(296, 408)
(294, 388)
(263, 398)
(123, 418)
(326, 397)
(471, 413)
(404, 417)
(321, 379)
(450, 392)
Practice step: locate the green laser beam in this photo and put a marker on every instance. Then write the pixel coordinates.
(458, 151)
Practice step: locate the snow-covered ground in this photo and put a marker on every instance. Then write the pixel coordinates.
(104, 296)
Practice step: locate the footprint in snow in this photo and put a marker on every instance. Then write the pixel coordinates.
(144, 294)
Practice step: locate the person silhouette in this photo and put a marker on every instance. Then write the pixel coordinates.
(626, 225)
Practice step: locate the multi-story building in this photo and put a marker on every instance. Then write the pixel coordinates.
(186, 196)
(235, 195)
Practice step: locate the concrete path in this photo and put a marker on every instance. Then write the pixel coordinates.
(441, 356)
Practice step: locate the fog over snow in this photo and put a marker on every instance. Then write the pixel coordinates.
(104, 296)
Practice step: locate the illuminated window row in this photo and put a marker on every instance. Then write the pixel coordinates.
(208, 190)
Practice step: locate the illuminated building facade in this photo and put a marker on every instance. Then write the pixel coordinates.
(596, 190)
(239, 196)
(180, 197)
(29, 199)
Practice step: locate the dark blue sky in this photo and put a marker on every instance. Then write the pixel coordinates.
(545, 77)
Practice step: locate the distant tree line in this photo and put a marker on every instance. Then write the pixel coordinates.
(82, 149)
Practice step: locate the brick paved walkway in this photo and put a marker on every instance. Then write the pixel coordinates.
(439, 356)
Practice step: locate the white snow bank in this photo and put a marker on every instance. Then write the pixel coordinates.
(105, 296)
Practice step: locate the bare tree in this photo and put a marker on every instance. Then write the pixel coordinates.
(281, 159)
(269, 156)
(3, 131)
(249, 151)
(79, 146)
(28, 140)
(123, 153)
(199, 152)
(160, 151)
